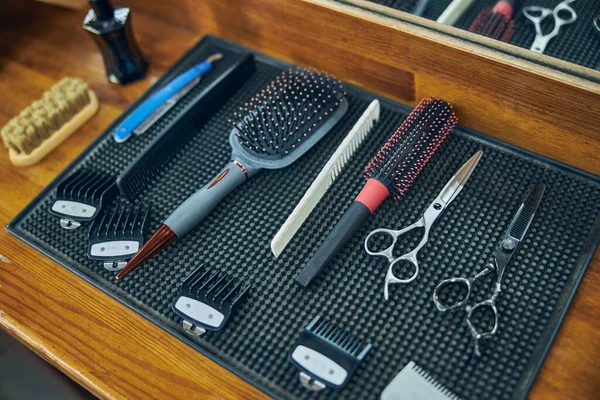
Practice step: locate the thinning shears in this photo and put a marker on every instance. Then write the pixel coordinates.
(537, 14)
(509, 245)
(435, 209)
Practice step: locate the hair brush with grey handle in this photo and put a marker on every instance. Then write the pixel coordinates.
(271, 131)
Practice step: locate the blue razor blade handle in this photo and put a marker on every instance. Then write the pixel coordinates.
(125, 129)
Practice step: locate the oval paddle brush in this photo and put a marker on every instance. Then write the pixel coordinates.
(389, 173)
(271, 131)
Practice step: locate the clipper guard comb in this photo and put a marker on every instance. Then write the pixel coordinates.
(327, 355)
(117, 236)
(81, 196)
(207, 300)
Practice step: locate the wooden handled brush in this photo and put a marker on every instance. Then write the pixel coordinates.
(390, 173)
(271, 131)
(47, 122)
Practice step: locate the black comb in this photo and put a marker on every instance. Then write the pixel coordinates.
(118, 235)
(207, 300)
(81, 196)
(327, 355)
(158, 154)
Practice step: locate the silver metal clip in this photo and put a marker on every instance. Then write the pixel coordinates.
(68, 223)
(311, 383)
(193, 329)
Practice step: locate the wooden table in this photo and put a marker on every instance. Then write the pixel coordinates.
(101, 344)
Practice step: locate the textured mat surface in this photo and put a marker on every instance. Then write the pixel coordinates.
(577, 42)
(235, 238)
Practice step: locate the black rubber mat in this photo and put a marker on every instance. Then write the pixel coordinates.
(235, 238)
(577, 42)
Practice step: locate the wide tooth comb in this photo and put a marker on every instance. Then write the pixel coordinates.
(81, 196)
(207, 300)
(117, 236)
(327, 354)
(326, 177)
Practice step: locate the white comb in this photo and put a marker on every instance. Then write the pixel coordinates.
(323, 181)
(413, 383)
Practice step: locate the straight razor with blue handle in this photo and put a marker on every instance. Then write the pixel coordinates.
(162, 101)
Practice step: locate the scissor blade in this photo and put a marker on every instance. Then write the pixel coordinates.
(520, 223)
(457, 182)
(518, 228)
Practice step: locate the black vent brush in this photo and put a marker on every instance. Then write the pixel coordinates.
(271, 131)
(497, 22)
(390, 173)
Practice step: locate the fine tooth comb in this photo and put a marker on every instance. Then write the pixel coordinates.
(47, 122)
(414, 383)
(326, 177)
(496, 22)
(454, 11)
(81, 196)
(156, 157)
(117, 236)
(271, 131)
(389, 173)
(327, 355)
(207, 300)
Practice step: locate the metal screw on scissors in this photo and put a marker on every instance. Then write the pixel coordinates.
(508, 248)
(537, 14)
(448, 193)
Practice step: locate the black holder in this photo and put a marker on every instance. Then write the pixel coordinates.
(110, 27)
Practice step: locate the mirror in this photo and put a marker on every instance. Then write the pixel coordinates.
(570, 29)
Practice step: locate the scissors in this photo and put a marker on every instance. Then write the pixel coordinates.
(435, 209)
(537, 14)
(506, 251)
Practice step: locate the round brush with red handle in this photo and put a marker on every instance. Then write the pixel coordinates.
(390, 173)
(496, 22)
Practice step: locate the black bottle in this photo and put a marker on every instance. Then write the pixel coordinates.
(111, 29)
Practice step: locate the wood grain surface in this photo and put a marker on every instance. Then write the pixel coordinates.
(110, 349)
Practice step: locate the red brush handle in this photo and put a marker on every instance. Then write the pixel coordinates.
(373, 194)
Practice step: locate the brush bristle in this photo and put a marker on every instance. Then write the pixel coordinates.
(404, 155)
(25, 132)
(290, 109)
(494, 25)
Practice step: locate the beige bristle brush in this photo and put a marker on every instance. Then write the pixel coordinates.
(47, 122)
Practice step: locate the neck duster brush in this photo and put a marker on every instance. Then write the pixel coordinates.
(390, 173)
(272, 131)
(496, 22)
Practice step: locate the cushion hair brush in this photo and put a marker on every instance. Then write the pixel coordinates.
(47, 122)
(271, 131)
(496, 22)
(389, 173)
